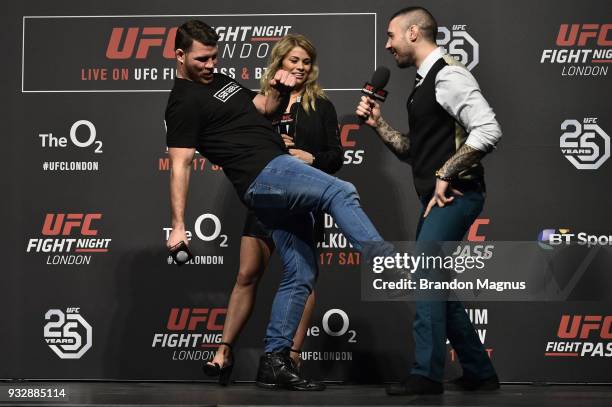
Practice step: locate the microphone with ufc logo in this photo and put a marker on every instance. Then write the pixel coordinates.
(284, 125)
(376, 87)
(288, 120)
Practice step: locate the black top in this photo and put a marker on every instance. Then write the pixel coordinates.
(316, 131)
(220, 120)
(435, 136)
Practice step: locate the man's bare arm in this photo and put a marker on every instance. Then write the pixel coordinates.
(369, 111)
(271, 104)
(393, 139)
(465, 157)
(277, 99)
(180, 169)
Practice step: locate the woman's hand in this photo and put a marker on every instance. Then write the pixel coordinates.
(288, 141)
(302, 155)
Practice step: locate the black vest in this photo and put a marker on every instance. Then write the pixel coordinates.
(434, 137)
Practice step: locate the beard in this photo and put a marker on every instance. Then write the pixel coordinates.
(404, 61)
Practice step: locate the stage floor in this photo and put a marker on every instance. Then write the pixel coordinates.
(200, 394)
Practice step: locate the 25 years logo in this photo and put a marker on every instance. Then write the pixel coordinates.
(460, 44)
(67, 333)
(584, 144)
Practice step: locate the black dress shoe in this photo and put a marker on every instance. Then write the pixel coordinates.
(277, 371)
(473, 384)
(416, 384)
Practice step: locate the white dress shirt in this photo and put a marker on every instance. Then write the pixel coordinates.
(459, 94)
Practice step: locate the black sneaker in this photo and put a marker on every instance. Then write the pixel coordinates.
(277, 371)
(472, 384)
(416, 384)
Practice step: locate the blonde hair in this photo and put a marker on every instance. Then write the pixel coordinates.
(311, 89)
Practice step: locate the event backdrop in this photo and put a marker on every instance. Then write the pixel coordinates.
(86, 290)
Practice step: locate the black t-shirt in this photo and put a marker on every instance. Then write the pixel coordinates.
(220, 120)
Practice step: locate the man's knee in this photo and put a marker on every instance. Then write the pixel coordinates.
(347, 189)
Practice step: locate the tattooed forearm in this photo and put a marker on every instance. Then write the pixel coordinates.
(396, 141)
(463, 159)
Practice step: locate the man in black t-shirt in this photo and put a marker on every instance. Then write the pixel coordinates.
(224, 121)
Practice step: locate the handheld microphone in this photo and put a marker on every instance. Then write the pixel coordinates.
(180, 253)
(376, 87)
(285, 124)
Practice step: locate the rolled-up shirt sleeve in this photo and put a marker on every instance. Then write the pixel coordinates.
(459, 94)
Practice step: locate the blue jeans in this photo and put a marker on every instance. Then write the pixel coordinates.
(283, 196)
(437, 320)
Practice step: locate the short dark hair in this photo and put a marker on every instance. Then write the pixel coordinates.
(423, 18)
(194, 30)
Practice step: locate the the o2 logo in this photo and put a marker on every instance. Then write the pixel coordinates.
(207, 228)
(82, 134)
(460, 44)
(336, 323)
(584, 144)
(67, 333)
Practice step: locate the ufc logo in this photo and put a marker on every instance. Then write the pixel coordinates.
(56, 224)
(141, 41)
(182, 319)
(473, 235)
(580, 34)
(585, 325)
(344, 134)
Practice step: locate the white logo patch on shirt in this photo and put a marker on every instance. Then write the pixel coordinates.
(227, 91)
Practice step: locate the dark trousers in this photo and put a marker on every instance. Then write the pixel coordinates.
(437, 320)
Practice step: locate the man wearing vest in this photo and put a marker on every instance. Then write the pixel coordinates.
(451, 128)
